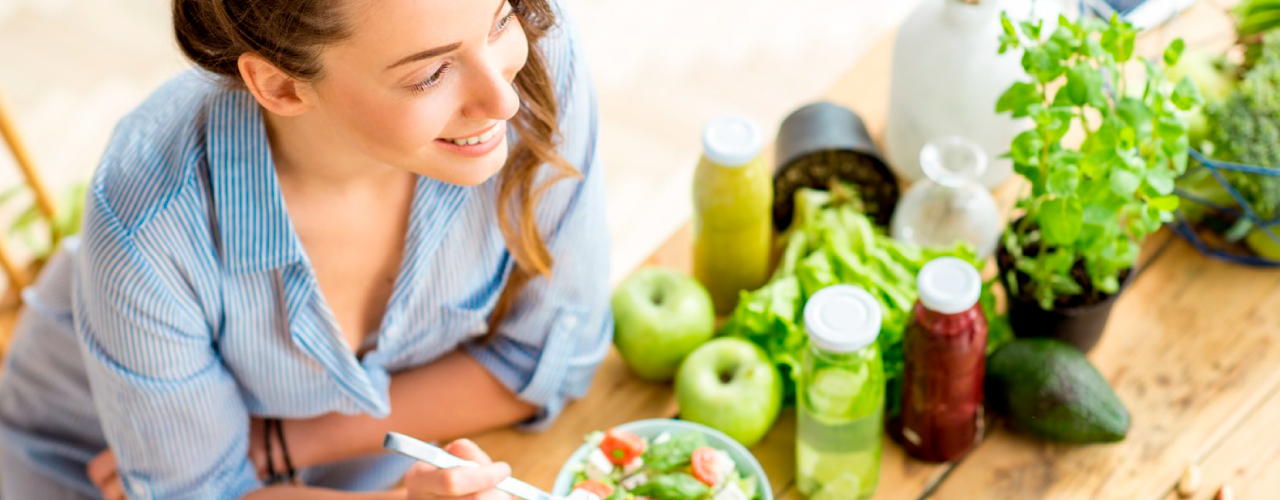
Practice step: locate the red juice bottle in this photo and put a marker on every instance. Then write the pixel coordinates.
(945, 361)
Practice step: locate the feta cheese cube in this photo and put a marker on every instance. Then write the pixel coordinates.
(634, 465)
(634, 482)
(662, 438)
(723, 466)
(731, 491)
(598, 465)
(582, 495)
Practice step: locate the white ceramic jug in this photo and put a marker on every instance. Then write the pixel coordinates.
(947, 77)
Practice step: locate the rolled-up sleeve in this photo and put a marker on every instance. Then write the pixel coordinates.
(549, 346)
(170, 410)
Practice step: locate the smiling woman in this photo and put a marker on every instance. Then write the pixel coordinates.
(342, 223)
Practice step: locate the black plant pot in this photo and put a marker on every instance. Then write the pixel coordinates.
(824, 141)
(1081, 326)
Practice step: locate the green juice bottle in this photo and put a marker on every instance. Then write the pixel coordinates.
(732, 201)
(840, 395)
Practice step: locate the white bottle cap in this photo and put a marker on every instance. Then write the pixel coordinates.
(732, 140)
(842, 319)
(948, 285)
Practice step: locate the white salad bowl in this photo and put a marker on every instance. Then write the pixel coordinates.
(652, 428)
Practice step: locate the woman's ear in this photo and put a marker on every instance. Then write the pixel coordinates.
(275, 90)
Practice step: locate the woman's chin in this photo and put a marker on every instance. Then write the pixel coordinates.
(471, 172)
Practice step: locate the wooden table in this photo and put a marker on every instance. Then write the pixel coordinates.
(1193, 349)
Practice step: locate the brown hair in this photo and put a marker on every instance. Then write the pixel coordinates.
(291, 33)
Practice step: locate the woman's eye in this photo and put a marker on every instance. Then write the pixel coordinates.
(504, 21)
(432, 80)
(435, 78)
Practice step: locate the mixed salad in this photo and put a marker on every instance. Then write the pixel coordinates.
(624, 466)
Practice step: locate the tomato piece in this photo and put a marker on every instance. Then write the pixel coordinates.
(596, 488)
(704, 465)
(621, 447)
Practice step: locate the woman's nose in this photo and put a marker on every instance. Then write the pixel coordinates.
(492, 94)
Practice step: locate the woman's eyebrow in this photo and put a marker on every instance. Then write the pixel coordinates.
(441, 50)
(427, 54)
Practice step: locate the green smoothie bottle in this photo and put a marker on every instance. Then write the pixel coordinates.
(732, 202)
(840, 393)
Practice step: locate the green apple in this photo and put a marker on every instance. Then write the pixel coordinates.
(730, 384)
(660, 316)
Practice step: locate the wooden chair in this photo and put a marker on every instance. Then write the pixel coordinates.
(21, 274)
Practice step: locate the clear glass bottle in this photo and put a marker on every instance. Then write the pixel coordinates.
(840, 394)
(950, 205)
(944, 350)
(733, 203)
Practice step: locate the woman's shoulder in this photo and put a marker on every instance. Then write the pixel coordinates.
(155, 150)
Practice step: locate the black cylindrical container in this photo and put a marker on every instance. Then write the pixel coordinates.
(822, 142)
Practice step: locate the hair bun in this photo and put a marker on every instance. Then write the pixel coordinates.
(287, 33)
(205, 37)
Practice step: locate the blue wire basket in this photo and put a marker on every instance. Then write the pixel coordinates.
(1220, 248)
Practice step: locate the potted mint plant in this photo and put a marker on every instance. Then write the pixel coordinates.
(1107, 143)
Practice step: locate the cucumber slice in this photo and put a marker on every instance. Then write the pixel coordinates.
(833, 391)
(845, 487)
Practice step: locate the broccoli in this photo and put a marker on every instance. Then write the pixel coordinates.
(1248, 131)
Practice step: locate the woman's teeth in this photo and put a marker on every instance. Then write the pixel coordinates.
(471, 141)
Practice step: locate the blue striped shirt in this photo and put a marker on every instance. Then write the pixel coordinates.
(188, 304)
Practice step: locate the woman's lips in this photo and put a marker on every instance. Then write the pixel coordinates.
(498, 136)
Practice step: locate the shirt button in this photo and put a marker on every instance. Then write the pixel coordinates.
(570, 322)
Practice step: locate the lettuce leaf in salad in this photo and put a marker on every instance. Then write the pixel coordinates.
(675, 486)
(674, 453)
(668, 465)
(620, 494)
(748, 485)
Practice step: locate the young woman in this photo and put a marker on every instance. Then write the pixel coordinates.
(356, 216)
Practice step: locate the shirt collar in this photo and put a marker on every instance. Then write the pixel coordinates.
(255, 231)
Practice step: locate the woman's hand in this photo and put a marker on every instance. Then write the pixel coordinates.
(102, 472)
(424, 482)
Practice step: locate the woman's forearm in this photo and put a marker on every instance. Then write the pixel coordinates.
(452, 397)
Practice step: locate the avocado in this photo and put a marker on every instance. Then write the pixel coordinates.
(1047, 388)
